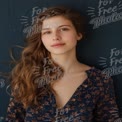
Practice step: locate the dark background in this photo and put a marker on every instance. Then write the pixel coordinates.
(102, 47)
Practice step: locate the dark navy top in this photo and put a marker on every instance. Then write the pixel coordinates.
(93, 101)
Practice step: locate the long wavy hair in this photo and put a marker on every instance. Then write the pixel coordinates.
(29, 69)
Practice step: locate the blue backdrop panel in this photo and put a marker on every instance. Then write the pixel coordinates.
(102, 47)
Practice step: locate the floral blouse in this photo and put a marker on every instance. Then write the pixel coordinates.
(93, 101)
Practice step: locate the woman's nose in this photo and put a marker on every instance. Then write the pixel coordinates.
(56, 36)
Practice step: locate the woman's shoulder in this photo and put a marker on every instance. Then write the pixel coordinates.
(15, 104)
(96, 74)
(92, 70)
(15, 111)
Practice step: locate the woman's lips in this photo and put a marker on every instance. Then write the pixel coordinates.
(57, 45)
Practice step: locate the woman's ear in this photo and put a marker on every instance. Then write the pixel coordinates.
(80, 36)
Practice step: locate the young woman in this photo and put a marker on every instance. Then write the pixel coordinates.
(50, 84)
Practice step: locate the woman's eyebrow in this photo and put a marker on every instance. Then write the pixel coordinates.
(65, 25)
(58, 27)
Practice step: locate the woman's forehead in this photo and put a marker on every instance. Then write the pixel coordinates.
(56, 21)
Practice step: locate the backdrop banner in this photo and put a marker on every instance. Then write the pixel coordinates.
(101, 48)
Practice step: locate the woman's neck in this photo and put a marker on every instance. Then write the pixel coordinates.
(68, 63)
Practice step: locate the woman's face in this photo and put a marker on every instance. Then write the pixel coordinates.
(58, 35)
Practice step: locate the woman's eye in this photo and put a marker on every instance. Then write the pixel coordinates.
(64, 29)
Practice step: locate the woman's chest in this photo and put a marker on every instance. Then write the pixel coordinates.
(80, 108)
